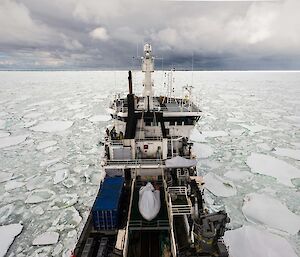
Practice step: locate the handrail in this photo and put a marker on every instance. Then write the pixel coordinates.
(128, 220)
(141, 223)
(136, 161)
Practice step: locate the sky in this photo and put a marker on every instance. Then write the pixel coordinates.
(109, 34)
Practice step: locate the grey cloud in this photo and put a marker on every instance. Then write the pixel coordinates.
(93, 34)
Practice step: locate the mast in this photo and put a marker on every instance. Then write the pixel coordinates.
(148, 68)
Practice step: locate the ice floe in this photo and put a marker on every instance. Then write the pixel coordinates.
(219, 186)
(12, 140)
(196, 136)
(47, 238)
(32, 115)
(255, 128)
(69, 218)
(249, 241)
(52, 126)
(63, 201)
(4, 134)
(270, 166)
(37, 182)
(5, 176)
(39, 196)
(294, 119)
(5, 212)
(50, 162)
(41, 103)
(45, 144)
(291, 153)
(2, 124)
(101, 117)
(263, 209)
(38, 210)
(235, 120)
(239, 175)
(296, 144)
(236, 132)
(75, 106)
(202, 150)
(264, 146)
(28, 124)
(60, 175)
(69, 182)
(214, 133)
(10, 185)
(7, 235)
(57, 166)
(57, 249)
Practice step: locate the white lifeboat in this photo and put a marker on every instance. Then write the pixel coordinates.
(149, 202)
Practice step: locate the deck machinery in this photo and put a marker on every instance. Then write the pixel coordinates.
(149, 142)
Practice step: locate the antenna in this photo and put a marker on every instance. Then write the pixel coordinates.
(193, 69)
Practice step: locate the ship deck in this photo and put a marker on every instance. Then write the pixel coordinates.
(137, 222)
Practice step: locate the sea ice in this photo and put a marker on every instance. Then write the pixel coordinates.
(45, 102)
(37, 182)
(296, 144)
(75, 106)
(294, 119)
(47, 238)
(270, 166)
(50, 149)
(52, 126)
(5, 212)
(216, 133)
(4, 134)
(291, 153)
(249, 241)
(238, 175)
(101, 117)
(202, 150)
(255, 128)
(264, 146)
(49, 162)
(196, 136)
(63, 201)
(69, 218)
(39, 196)
(28, 124)
(57, 249)
(38, 210)
(263, 209)
(70, 182)
(2, 124)
(57, 166)
(45, 144)
(219, 186)
(236, 132)
(5, 176)
(7, 235)
(32, 115)
(10, 185)
(12, 140)
(235, 120)
(60, 175)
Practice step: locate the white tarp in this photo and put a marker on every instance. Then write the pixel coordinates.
(180, 162)
(149, 202)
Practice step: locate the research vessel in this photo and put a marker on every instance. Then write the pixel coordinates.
(151, 201)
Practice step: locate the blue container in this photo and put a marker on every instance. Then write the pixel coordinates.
(106, 207)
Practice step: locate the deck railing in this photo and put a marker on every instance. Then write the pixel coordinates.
(182, 208)
(136, 162)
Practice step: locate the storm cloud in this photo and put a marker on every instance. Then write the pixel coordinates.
(99, 34)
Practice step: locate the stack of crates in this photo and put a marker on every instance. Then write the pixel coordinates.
(106, 207)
